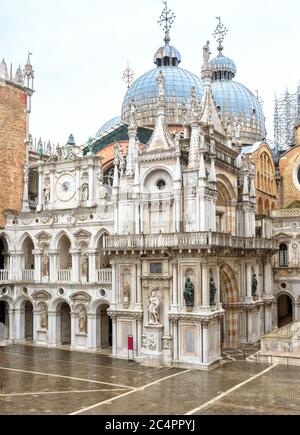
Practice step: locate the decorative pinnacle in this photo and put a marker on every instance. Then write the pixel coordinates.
(128, 76)
(166, 20)
(220, 33)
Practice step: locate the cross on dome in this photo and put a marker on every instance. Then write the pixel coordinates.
(166, 20)
(219, 33)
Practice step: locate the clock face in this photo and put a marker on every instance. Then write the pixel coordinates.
(65, 187)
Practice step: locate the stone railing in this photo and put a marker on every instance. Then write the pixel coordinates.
(185, 241)
(286, 213)
(4, 275)
(285, 340)
(104, 276)
(64, 275)
(28, 275)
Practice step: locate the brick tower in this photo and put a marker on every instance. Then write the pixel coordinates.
(15, 106)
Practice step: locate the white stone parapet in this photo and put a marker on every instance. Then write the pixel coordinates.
(4, 275)
(104, 276)
(28, 275)
(64, 275)
(199, 240)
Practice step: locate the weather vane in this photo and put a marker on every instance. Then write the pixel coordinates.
(167, 18)
(220, 33)
(128, 76)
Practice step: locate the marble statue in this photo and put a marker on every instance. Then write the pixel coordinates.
(84, 265)
(45, 264)
(82, 321)
(153, 309)
(85, 192)
(213, 291)
(206, 53)
(133, 112)
(161, 84)
(254, 285)
(47, 193)
(189, 293)
(126, 293)
(44, 318)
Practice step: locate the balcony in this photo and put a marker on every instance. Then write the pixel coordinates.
(28, 275)
(4, 275)
(64, 275)
(104, 276)
(181, 241)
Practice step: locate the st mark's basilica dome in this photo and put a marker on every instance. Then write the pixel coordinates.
(235, 102)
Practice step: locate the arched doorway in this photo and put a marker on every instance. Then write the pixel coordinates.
(65, 324)
(285, 311)
(64, 259)
(230, 329)
(3, 254)
(4, 317)
(28, 256)
(28, 321)
(104, 328)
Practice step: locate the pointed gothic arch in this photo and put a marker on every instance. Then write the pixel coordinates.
(230, 300)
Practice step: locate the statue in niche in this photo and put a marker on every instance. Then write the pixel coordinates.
(251, 168)
(47, 193)
(45, 264)
(189, 293)
(82, 321)
(161, 84)
(126, 293)
(254, 285)
(153, 309)
(84, 265)
(212, 291)
(44, 318)
(85, 191)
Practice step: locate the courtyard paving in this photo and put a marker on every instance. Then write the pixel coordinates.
(40, 381)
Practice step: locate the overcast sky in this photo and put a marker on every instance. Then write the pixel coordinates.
(80, 49)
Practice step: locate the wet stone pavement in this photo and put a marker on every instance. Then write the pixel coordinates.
(35, 381)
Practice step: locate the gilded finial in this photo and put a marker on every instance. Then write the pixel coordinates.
(220, 33)
(166, 20)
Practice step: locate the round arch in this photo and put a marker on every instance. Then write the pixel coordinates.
(230, 332)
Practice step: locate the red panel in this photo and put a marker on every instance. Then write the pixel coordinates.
(130, 342)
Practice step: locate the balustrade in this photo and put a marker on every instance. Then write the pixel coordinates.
(64, 275)
(104, 276)
(4, 275)
(28, 275)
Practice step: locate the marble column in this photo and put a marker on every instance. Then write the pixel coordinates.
(175, 342)
(114, 338)
(53, 256)
(37, 265)
(205, 344)
(53, 329)
(114, 285)
(11, 324)
(139, 286)
(36, 324)
(41, 187)
(249, 298)
(92, 329)
(78, 186)
(175, 286)
(139, 337)
(75, 265)
(92, 267)
(73, 329)
(52, 187)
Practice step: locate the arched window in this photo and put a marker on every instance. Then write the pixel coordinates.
(283, 255)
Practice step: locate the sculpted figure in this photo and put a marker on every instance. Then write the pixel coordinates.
(189, 293)
(45, 263)
(44, 318)
(254, 285)
(82, 321)
(132, 112)
(126, 293)
(84, 265)
(85, 192)
(206, 53)
(161, 84)
(213, 292)
(153, 309)
(47, 193)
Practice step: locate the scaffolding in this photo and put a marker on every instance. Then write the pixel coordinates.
(287, 111)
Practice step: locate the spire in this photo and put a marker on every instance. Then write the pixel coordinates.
(3, 70)
(19, 79)
(166, 21)
(194, 143)
(160, 139)
(116, 171)
(29, 73)
(219, 34)
(212, 174)
(167, 55)
(132, 145)
(202, 170)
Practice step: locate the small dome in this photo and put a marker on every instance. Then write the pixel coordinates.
(223, 67)
(144, 91)
(167, 56)
(109, 125)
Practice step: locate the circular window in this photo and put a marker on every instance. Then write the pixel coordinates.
(61, 292)
(5, 291)
(283, 286)
(25, 291)
(102, 293)
(161, 185)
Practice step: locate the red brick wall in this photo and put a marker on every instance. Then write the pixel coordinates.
(12, 148)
